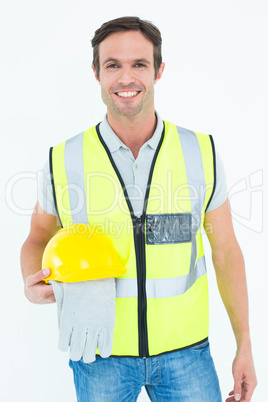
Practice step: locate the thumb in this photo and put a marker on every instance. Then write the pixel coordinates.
(38, 277)
(237, 386)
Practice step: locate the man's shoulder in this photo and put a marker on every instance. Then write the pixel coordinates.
(76, 137)
(183, 130)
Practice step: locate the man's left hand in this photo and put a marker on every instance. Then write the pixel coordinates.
(245, 380)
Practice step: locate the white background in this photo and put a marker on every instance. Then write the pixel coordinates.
(215, 82)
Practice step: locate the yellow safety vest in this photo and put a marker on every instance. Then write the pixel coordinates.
(162, 300)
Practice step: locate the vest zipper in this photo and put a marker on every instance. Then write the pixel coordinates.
(139, 240)
(141, 283)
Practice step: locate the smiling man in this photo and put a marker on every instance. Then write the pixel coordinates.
(156, 175)
(126, 72)
(127, 75)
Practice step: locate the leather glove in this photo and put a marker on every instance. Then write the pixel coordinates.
(86, 316)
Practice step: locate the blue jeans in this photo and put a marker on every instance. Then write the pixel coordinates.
(185, 375)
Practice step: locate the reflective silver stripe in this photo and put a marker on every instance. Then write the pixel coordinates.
(196, 181)
(74, 167)
(165, 287)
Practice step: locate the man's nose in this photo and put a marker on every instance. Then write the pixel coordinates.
(126, 76)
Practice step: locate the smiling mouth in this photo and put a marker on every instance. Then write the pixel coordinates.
(130, 94)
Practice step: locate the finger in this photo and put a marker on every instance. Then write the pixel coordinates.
(32, 280)
(105, 343)
(45, 291)
(247, 391)
(89, 354)
(237, 386)
(231, 397)
(51, 299)
(65, 335)
(77, 345)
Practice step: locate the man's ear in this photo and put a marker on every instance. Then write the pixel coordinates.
(160, 72)
(94, 71)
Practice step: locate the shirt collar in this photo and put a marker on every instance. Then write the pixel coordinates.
(114, 143)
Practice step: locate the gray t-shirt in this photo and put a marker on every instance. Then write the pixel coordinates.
(134, 172)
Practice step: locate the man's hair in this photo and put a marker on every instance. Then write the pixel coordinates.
(149, 30)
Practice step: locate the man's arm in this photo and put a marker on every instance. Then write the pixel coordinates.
(229, 266)
(43, 227)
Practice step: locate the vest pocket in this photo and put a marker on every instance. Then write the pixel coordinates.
(169, 228)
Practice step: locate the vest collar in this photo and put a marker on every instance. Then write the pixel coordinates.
(114, 143)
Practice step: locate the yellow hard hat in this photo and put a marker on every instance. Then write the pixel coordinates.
(78, 253)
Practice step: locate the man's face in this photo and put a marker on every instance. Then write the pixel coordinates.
(127, 75)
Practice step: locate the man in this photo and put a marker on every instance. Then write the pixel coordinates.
(168, 182)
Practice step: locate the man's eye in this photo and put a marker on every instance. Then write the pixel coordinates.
(139, 65)
(112, 66)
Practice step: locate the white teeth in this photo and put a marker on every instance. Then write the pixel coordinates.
(127, 94)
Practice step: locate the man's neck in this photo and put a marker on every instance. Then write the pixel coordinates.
(133, 131)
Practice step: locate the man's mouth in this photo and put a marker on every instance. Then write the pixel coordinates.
(129, 94)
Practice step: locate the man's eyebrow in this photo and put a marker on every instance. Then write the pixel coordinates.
(112, 59)
(145, 61)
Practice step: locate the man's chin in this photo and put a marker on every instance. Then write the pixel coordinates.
(128, 112)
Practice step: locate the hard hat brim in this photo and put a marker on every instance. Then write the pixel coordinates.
(59, 274)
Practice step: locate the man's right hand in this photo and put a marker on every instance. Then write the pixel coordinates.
(36, 290)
